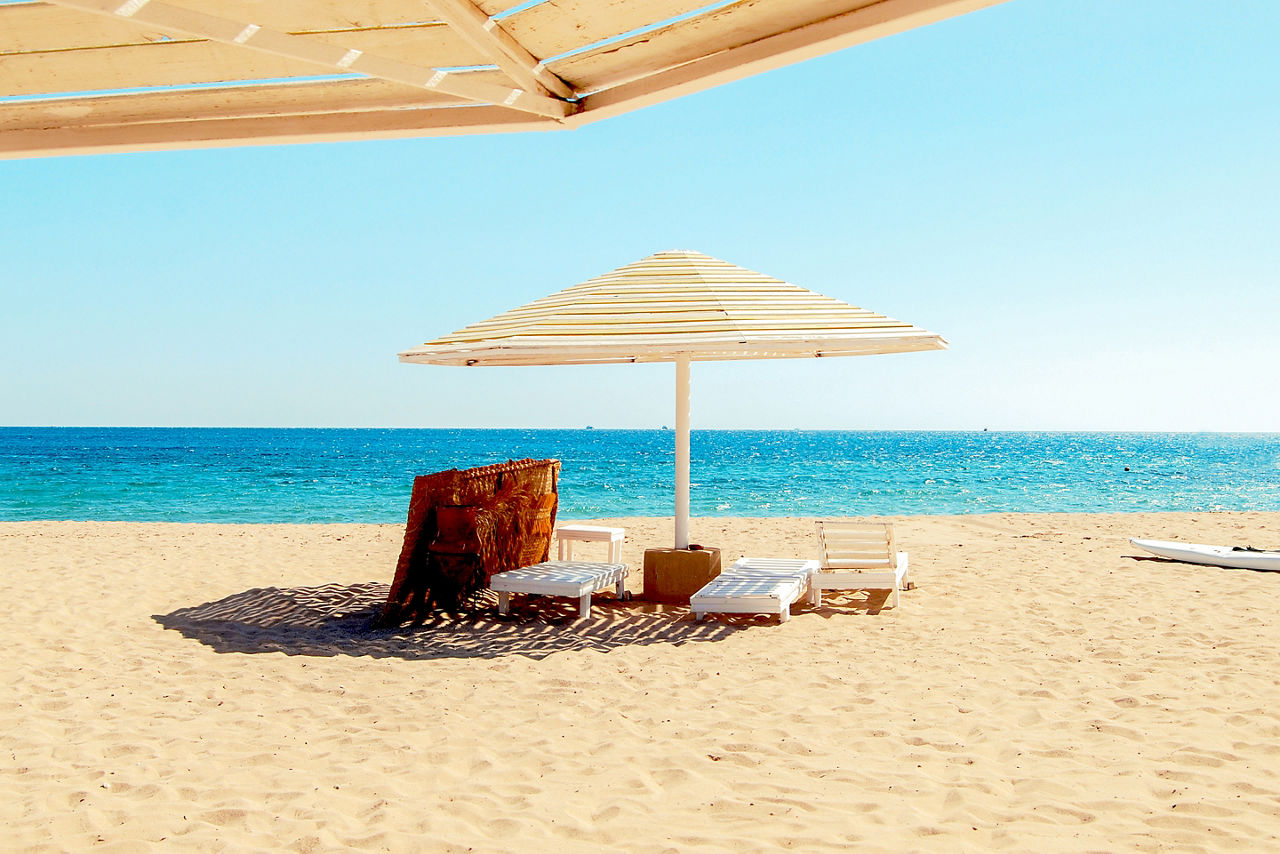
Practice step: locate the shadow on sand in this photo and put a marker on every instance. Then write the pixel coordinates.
(337, 620)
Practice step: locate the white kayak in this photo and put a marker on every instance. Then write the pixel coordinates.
(1238, 558)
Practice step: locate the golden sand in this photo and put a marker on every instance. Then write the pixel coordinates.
(213, 687)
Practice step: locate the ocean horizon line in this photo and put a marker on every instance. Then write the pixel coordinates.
(1118, 431)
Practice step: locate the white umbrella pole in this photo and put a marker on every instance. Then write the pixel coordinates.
(682, 452)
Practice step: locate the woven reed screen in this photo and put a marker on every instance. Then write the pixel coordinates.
(513, 505)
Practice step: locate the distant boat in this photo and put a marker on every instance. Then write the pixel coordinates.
(589, 427)
(1236, 557)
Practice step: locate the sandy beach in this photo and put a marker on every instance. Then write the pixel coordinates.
(214, 687)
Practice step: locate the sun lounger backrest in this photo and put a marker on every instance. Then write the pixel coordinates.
(857, 545)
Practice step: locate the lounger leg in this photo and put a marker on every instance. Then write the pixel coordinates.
(815, 596)
(784, 614)
(622, 588)
(584, 606)
(504, 601)
(893, 598)
(698, 615)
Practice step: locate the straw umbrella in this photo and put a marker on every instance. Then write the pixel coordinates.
(682, 307)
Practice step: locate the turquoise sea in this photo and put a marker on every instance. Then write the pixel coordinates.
(360, 475)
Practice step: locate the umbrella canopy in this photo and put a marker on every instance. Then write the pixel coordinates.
(682, 307)
(80, 76)
(672, 304)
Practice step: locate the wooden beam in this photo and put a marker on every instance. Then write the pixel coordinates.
(334, 58)
(551, 29)
(29, 27)
(270, 130)
(836, 33)
(361, 95)
(187, 61)
(488, 35)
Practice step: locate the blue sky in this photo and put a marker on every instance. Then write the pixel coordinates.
(1082, 196)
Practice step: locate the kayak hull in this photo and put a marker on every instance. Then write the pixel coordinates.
(1211, 555)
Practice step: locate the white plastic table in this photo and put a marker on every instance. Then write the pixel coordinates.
(568, 534)
(561, 578)
(754, 585)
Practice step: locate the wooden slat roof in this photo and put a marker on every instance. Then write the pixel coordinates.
(82, 76)
(669, 304)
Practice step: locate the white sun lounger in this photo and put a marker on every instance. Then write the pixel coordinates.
(755, 586)
(575, 579)
(860, 556)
